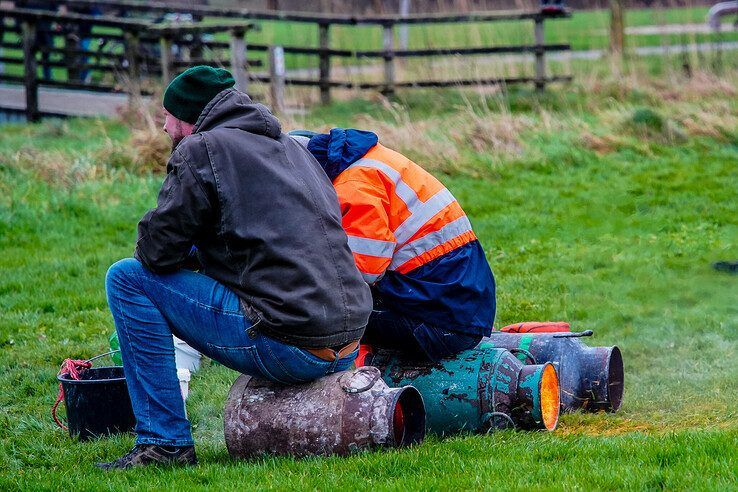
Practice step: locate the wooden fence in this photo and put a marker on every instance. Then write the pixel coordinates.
(143, 57)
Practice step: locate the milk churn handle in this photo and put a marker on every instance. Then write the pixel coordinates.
(527, 354)
(575, 334)
(375, 377)
(487, 417)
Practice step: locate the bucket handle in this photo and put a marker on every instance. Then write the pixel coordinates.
(102, 355)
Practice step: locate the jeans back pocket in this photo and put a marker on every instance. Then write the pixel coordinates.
(245, 360)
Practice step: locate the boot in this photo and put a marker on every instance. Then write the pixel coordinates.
(152, 454)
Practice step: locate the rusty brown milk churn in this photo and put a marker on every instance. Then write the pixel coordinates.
(338, 414)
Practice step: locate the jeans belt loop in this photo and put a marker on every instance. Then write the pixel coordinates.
(337, 357)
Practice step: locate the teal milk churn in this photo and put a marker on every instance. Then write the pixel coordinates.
(478, 390)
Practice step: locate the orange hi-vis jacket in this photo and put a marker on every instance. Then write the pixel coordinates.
(410, 239)
(397, 215)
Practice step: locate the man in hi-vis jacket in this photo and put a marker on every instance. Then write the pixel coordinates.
(277, 294)
(433, 290)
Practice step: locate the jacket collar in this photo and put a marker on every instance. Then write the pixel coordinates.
(234, 109)
(340, 148)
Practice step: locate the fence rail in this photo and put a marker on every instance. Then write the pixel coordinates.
(135, 54)
(311, 18)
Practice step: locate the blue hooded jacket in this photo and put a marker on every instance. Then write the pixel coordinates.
(455, 291)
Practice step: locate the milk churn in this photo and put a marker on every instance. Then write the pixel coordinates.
(338, 414)
(478, 390)
(591, 378)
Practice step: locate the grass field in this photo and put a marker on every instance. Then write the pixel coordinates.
(603, 205)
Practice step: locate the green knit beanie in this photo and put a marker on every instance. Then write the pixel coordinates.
(192, 90)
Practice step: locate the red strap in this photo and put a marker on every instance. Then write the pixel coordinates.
(72, 369)
(365, 355)
(537, 327)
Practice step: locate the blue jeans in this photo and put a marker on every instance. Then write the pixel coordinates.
(414, 338)
(148, 308)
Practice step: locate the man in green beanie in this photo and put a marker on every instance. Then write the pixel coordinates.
(277, 294)
(187, 96)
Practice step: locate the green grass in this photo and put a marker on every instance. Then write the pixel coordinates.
(616, 239)
(686, 460)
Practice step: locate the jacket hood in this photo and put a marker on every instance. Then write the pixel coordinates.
(234, 109)
(340, 148)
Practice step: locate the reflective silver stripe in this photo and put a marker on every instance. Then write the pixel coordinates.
(370, 278)
(430, 241)
(402, 190)
(422, 213)
(371, 247)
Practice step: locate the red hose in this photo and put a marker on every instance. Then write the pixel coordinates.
(72, 369)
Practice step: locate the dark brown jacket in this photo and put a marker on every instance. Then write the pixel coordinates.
(266, 222)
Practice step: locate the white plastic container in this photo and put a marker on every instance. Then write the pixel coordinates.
(184, 382)
(186, 357)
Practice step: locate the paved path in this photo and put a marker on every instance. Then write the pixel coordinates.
(63, 101)
(703, 28)
(647, 51)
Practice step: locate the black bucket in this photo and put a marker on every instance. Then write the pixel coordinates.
(98, 403)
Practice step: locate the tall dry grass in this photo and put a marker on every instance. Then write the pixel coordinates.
(145, 150)
(603, 113)
(600, 112)
(148, 147)
(57, 167)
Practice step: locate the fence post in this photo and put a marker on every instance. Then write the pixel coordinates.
(134, 72)
(389, 59)
(196, 49)
(71, 45)
(617, 30)
(324, 67)
(403, 34)
(540, 55)
(277, 77)
(238, 60)
(30, 69)
(165, 47)
(717, 50)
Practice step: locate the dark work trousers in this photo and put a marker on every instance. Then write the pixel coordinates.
(415, 339)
